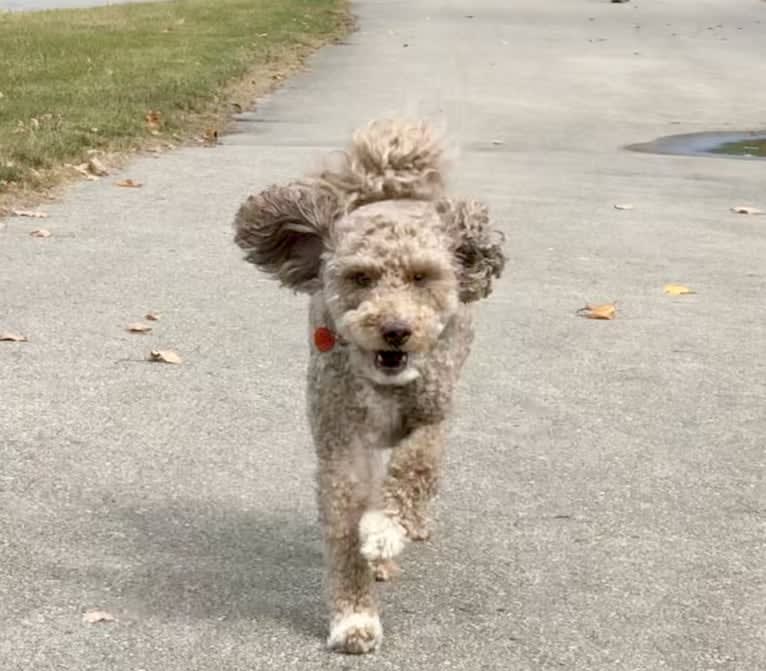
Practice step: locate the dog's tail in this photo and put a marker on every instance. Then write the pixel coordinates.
(390, 159)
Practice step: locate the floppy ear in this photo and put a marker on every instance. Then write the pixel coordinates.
(478, 247)
(284, 229)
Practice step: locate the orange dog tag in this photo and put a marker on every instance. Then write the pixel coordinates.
(324, 339)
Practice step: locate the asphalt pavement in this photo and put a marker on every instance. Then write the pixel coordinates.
(603, 506)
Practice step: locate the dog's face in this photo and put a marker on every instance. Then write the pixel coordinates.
(392, 273)
(391, 285)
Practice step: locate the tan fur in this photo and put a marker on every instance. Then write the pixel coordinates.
(375, 242)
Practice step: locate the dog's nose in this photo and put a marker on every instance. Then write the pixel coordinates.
(396, 333)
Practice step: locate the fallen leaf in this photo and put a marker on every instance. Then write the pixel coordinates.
(745, 209)
(677, 290)
(210, 137)
(82, 168)
(41, 233)
(152, 316)
(164, 356)
(498, 142)
(12, 337)
(34, 214)
(623, 206)
(138, 327)
(96, 167)
(94, 616)
(603, 311)
(129, 184)
(153, 121)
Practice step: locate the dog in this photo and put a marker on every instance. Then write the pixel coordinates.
(392, 266)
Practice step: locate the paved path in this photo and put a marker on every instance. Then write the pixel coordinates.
(604, 505)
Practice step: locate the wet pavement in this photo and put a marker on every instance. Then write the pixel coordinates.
(729, 144)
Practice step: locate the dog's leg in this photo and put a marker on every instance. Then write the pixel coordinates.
(412, 481)
(385, 570)
(355, 623)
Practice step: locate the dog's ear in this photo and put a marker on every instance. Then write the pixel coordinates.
(478, 247)
(284, 231)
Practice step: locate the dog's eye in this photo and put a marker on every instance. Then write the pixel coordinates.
(419, 278)
(362, 280)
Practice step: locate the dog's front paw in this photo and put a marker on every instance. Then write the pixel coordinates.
(380, 536)
(355, 633)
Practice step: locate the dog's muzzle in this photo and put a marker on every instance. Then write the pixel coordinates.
(391, 362)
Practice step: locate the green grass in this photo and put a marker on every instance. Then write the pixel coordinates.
(744, 148)
(75, 80)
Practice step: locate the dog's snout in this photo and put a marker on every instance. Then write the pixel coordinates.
(396, 333)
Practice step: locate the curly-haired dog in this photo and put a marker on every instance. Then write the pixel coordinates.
(391, 265)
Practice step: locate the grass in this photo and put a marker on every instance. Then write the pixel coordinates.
(744, 148)
(78, 80)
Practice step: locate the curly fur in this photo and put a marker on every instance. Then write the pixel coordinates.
(479, 248)
(283, 231)
(389, 160)
(379, 246)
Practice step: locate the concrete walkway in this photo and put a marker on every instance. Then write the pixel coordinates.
(604, 503)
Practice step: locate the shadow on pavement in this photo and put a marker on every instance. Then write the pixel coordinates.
(191, 562)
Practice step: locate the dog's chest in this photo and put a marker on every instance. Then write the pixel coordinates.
(384, 418)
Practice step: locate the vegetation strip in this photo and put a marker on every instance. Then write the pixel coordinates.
(125, 77)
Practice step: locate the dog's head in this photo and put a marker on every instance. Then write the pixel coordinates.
(376, 235)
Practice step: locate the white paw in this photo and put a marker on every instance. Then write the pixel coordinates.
(355, 633)
(380, 536)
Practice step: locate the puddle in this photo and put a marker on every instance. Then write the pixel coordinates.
(747, 145)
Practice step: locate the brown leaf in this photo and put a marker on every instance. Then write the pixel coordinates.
(82, 169)
(603, 311)
(95, 616)
(210, 137)
(152, 316)
(164, 356)
(623, 206)
(12, 337)
(96, 167)
(129, 184)
(677, 290)
(153, 120)
(138, 327)
(746, 209)
(40, 233)
(34, 214)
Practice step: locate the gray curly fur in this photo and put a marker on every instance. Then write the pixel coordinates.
(378, 245)
(389, 160)
(282, 229)
(479, 248)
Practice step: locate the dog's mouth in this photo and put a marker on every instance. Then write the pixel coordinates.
(391, 362)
